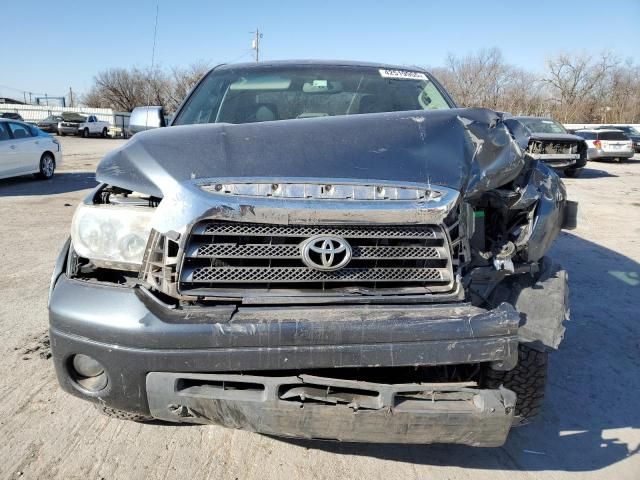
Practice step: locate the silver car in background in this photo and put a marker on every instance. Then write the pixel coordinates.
(606, 144)
(25, 149)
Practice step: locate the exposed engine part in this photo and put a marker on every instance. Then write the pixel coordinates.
(555, 147)
(502, 261)
(109, 194)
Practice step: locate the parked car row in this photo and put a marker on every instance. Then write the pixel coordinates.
(26, 149)
(569, 150)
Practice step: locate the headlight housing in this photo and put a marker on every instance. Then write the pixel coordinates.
(111, 235)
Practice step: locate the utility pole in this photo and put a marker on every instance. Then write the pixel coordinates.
(255, 45)
(70, 97)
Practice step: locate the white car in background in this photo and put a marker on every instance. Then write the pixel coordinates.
(26, 149)
(607, 144)
(92, 127)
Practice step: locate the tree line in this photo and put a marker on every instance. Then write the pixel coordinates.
(572, 88)
(123, 89)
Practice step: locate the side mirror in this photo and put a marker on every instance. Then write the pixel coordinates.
(146, 118)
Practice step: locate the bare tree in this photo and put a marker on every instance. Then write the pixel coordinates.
(478, 79)
(574, 81)
(574, 88)
(183, 79)
(124, 89)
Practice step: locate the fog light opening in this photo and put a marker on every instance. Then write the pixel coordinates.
(88, 373)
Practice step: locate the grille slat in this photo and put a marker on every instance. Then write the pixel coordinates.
(230, 250)
(228, 256)
(365, 231)
(303, 274)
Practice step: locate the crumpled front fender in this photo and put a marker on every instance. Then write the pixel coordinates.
(542, 302)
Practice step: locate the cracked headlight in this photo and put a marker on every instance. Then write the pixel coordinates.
(111, 236)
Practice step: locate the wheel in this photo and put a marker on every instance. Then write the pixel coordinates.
(62, 134)
(104, 132)
(527, 380)
(85, 133)
(47, 166)
(122, 415)
(573, 172)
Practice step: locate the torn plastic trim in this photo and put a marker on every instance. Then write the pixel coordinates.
(542, 302)
(403, 413)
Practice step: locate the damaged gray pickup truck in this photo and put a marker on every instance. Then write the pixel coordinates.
(317, 250)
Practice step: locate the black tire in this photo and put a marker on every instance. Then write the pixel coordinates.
(85, 133)
(527, 380)
(122, 415)
(573, 172)
(104, 132)
(47, 166)
(62, 134)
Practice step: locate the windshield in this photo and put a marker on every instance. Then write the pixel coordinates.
(613, 135)
(543, 125)
(246, 95)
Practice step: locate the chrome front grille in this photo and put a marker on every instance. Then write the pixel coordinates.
(222, 257)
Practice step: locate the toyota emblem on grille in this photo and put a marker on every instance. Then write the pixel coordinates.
(325, 252)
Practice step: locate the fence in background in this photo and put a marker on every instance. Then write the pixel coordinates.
(120, 120)
(35, 113)
(581, 126)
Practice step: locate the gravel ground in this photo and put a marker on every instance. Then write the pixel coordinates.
(589, 427)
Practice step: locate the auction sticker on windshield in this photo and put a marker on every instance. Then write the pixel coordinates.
(402, 74)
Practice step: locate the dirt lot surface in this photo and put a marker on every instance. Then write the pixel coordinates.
(589, 428)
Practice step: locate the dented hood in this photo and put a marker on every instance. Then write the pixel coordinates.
(469, 150)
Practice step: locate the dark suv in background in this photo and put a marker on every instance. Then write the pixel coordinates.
(50, 124)
(11, 116)
(551, 143)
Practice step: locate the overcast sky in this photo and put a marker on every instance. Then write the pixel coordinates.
(50, 46)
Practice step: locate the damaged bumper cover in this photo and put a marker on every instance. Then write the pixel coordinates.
(138, 340)
(312, 407)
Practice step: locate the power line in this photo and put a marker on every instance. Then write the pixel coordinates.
(256, 44)
(21, 90)
(153, 51)
(247, 52)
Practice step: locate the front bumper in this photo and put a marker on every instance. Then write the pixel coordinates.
(68, 130)
(339, 409)
(137, 340)
(596, 154)
(559, 163)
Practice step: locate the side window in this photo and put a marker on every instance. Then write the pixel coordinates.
(92, 118)
(20, 131)
(4, 133)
